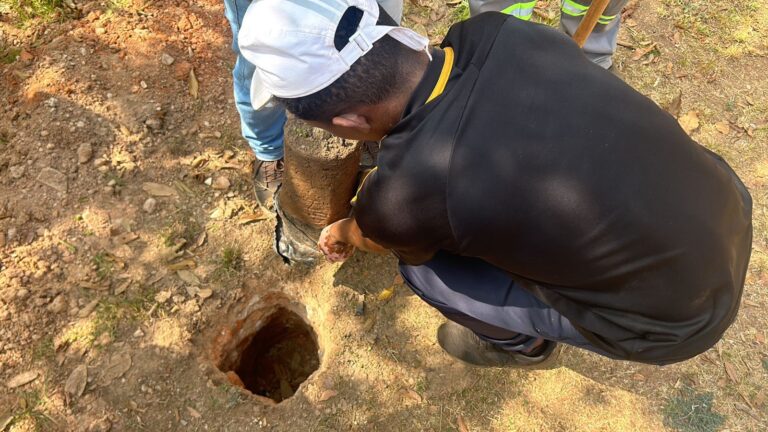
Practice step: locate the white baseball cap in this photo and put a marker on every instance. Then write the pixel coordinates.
(291, 43)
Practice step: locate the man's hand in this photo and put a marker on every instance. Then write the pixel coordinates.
(339, 240)
(334, 249)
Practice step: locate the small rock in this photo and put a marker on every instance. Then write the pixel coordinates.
(360, 305)
(100, 30)
(17, 171)
(58, 305)
(53, 178)
(100, 162)
(150, 205)
(84, 153)
(80, 124)
(205, 293)
(166, 59)
(181, 70)
(22, 379)
(22, 293)
(154, 122)
(138, 333)
(44, 133)
(221, 183)
(103, 168)
(208, 181)
(143, 84)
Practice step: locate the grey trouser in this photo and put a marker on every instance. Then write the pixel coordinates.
(601, 43)
(486, 300)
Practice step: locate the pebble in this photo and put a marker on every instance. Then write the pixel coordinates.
(17, 171)
(80, 124)
(22, 293)
(166, 59)
(84, 153)
(53, 178)
(103, 168)
(100, 30)
(221, 183)
(143, 84)
(138, 333)
(150, 205)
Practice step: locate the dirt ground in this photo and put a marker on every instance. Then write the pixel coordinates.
(131, 250)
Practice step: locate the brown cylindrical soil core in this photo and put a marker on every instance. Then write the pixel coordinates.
(320, 175)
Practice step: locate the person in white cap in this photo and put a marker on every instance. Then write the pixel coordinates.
(527, 210)
(262, 128)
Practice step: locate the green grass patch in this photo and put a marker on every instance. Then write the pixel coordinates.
(9, 55)
(29, 409)
(104, 264)
(231, 259)
(691, 411)
(461, 12)
(44, 350)
(45, 10)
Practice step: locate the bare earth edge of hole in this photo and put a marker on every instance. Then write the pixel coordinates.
(279, 354)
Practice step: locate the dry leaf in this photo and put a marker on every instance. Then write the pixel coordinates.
(689, 122)
(5, 421)
(730, 371)
(205, 293)
(185, 264)
(327, 394)
(674, 105)
(461, 425)
(194, 86)
(157, 189)
(387, 293)
(723, 127)
(75, 385)
(117, 366)
(188, 277)
(247, 218)
(200, 240)
(412, 395)
(193, 412)
(640, 52)
(22, 379)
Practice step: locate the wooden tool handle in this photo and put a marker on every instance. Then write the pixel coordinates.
(589, 21)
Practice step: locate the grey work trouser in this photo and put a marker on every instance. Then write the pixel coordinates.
(600, 45)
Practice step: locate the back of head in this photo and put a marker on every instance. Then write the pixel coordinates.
(372, 79)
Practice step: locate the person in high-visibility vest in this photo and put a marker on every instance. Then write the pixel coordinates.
(600, 45)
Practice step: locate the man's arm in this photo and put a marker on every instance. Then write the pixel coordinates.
(339, 240)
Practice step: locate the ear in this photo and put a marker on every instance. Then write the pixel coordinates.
(352, 121)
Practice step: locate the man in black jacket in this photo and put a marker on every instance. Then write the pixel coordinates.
(528, 209)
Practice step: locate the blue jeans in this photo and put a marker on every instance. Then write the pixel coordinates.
(263, 129)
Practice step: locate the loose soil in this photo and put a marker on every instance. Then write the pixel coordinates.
(130, 243)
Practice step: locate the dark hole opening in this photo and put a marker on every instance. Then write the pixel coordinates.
(282, 354)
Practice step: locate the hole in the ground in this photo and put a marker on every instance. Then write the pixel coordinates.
(279, 356)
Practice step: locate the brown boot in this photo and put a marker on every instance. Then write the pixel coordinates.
(267, 176)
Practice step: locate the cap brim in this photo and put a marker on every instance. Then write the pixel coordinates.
(259, 95)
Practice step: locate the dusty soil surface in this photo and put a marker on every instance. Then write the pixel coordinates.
(131, 246)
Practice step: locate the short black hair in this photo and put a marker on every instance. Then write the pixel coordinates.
(372, 79)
